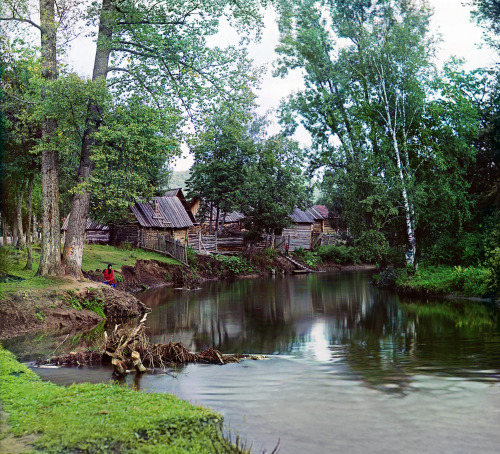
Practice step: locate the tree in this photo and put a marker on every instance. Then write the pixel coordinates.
(274, 187)
(222, 153)
(369, 104)
(160, 49)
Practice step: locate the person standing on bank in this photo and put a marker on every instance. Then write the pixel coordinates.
(109, 276)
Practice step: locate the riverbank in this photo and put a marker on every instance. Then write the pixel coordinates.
(439, 281)
(30, 303)
(99, 418)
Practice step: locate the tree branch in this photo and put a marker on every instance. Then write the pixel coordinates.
(20, 19)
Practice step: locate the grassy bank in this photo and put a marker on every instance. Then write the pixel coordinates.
(94, 257)
(100, 418)
(446, 280)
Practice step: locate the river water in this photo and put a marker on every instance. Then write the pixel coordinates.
(351, 369)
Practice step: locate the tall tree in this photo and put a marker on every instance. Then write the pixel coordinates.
(365, 102)
(160, 49)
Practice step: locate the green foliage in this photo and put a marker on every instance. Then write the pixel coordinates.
(342, 255)
(372, 246)
(235, 264)
(191, 259)
(467, 250)
(311, 258)
(445, 280)
(104, 418)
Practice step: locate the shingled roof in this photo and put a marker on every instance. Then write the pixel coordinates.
(315, 213)
(301, 217)
(91, 225)
(171, 214)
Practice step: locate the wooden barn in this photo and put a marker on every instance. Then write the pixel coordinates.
(299, 234)
(95, 233)
(165, 215)
(330, 222)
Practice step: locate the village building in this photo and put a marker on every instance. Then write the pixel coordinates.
(331, 223)
(299, 234)
(162, 215)
(95, 233)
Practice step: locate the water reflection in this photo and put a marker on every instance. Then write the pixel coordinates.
(333, 318)
(356, 370)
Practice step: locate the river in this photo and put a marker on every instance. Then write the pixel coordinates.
(351, 368)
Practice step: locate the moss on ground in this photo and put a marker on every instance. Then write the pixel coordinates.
(102, 418)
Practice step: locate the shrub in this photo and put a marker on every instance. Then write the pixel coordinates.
(372, 246)
(191, 259)
(235, 264)
(472, 281)
(338, 254)
(310, 258)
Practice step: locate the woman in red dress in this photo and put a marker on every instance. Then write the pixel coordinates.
(109, 276)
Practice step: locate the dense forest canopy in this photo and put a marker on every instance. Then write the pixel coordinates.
(407, 150)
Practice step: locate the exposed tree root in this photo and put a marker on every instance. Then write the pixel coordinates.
(131, 348)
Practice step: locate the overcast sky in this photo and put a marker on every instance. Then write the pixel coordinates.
(451, 19)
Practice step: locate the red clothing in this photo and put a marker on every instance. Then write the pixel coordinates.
(109, 276)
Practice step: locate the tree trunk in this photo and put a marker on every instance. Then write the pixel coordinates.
(50, 256)
(75, 235)
(4, 232)
(21, 243)
(211, 218)
(29, 227)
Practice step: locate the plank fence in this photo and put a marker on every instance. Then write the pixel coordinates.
(164, 244)
(203, 244)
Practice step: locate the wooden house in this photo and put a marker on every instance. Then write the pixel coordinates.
(299, 234)
(330, 222)
(95, 233)
(318, 225)
(165, 215)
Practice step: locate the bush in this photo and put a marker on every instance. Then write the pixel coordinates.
(235, 264)
(338, 254)
(472, 281)
(191, 259)
(446, 280)
(466, 250)
(310, 258)
(372, 246)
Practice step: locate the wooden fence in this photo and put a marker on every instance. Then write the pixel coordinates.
(164, 244)
(202, 244)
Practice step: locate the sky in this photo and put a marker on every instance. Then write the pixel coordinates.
(451, 19)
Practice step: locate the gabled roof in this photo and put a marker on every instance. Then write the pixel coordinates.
(323, 210)
(301, 217)
(91, 225)
(177, 192)
(317, 216)
(171, 214)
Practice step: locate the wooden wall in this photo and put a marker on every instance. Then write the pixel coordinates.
(129, 233)
(299, 235)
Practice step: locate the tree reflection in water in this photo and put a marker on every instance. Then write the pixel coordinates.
(331, 318)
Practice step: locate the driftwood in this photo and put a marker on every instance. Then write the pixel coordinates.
(130, 347)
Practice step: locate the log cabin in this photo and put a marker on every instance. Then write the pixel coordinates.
(95, 233)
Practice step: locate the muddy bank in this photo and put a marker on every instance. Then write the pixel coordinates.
(58, 310)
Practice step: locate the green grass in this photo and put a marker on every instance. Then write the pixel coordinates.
(94, 257)
(103, 418)
(98, 256)
(446, 280)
